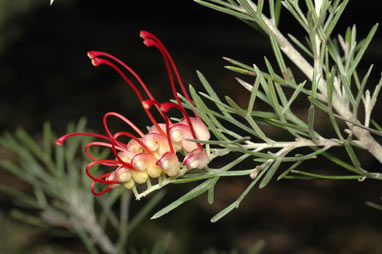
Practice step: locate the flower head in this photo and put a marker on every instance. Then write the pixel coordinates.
(152, 154)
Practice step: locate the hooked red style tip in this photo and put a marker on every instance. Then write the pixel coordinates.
(60, 141)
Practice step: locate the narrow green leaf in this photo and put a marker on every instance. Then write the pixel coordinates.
(219, 142)
(300, 45)
(195, 192)
(332, 22)
(365, 43)
(376, 125)
(349, 93)
(338, 161)
(298, 14)
(239, 70)
(244, 66)
(376, 91)
(286, 172)
(211, 195)
(275, 10)
(252, 98)
(224, 10)
(311, 113)
(237, 108)
(293, 97)
(360, 92)
(270, 172)
(237, 202)
(328, 177)
(353, 157)
(258, 247)
(248, 7)
(275, 103)
(278, 54)
(374, 205)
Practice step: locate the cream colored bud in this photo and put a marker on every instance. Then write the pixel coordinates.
(170, 164)
(154, 171)
(129, 184)
(139, 176)
(177, 136)
(134, 147)
(126, 156)
(124, 176)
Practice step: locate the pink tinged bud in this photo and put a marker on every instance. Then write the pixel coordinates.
(126, 156)
(124, 176)
(170, 164)
(196, 159)
(134, 147)
(145, 162)
(200, 128)
(156, 143)
(180, 132)
(154, 129)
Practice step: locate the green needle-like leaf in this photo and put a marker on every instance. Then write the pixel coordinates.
(271, 172)
(195, 192)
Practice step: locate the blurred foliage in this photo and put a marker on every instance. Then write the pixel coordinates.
(60, 201)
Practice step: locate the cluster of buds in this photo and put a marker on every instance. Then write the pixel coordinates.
(150, 155)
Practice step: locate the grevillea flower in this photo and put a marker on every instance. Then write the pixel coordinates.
(152, 154)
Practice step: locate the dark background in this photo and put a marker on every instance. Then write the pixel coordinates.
(46, 75)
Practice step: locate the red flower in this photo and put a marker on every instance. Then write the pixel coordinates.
(152, 154)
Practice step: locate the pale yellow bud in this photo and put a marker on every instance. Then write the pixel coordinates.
(154, 171)
(129, 184)
(170, 164)
(139, 176)
(124, 176)
(134, 147)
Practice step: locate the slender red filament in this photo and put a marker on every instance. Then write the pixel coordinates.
(101, 192)
(166, 55)
(104, 61)
(127, 121)
(98, 179)
(97, 61)
(95, 54)
(61, 140)
(97, 143)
